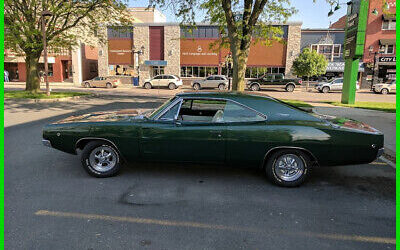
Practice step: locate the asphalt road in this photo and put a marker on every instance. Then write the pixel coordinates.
(51, 202)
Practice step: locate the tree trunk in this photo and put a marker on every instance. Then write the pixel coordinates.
(239, 70)
(32, 73)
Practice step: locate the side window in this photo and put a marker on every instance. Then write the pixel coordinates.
(157, 77)
(202, 110)
(210, 78)
(236, 113)
(171, 113)
(171, 77)
(278, 77)
(97, 78)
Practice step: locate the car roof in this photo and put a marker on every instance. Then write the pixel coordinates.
(262, 103)
(217, 75)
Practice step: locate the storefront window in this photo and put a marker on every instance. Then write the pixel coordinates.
(50, 67)
(202, 72)
(183, 71)
(120, 32)
(389, 25)
(158, 70)
(336, 50)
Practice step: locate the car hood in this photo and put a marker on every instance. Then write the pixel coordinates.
(348, 124)
(106, 116)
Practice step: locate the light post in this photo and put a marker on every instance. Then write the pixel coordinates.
(370, 50)
(138, 53)
(228, 61)
(44, 15)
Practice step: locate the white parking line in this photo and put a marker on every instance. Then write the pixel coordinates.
(342, 237)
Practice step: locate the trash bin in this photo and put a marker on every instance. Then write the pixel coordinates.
(135, 81)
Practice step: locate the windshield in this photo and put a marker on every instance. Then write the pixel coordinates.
(151, 113)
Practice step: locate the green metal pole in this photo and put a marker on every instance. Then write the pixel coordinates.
(350, 80)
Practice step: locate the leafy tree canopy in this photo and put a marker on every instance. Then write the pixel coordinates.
(310, 63)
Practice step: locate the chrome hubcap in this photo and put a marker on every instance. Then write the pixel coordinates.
(103, 158)
(289, 167)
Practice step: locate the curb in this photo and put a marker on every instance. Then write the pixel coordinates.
(390, 163)
(53, 100)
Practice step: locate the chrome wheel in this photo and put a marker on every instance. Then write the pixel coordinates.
(221, 87)
(289, 167)
(103, 158)
(196, 86)
(255, 87)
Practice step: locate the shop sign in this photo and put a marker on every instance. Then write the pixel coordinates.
(387, 59)
(199, 52)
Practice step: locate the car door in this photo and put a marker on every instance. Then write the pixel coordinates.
(246, 136)
(164, 81)
(156, 80)
(170, 138)
(208, 82)
(337, 84)
(95, 82)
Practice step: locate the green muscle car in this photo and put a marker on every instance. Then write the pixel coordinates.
(225, 128)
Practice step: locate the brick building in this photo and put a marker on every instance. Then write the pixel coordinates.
(169, 48)
(380, 42)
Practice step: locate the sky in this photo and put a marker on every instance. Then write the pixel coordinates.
(313, 15)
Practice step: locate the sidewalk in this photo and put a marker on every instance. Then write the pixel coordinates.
(383, 121)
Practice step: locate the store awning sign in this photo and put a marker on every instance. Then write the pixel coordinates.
(155, 63)
(339, 67)
(387, 59)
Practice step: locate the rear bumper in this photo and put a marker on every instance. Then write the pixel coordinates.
(380, 152)
(46, 143)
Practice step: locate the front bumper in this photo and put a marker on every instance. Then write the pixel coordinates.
(46, 143)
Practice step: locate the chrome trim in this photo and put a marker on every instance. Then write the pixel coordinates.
(46, 143)
(180, 99)
(288, 147)
(380, 152)
(166, 109)
(97, 138)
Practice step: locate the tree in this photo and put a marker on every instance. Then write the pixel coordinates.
(70, 22)
(310, 63)
(241, 22)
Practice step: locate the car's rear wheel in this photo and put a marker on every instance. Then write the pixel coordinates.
(87, 85)
(288, 167)
(221, 86)
(100, 159)
(108, 85)
(290, 87)
(325, 90)
(196, 86)
(171, 86)
(147, 85)
(254, 87)
(384, 91)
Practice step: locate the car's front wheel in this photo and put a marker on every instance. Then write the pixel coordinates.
(290, 87)
(196, 86)
(221, 86)
(384, 91)
(288, 168)
(147, 85)
(100, 159)
(109, 85)
(87, 85)
(171, 86)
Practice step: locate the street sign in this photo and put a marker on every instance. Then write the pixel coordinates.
(387, 59)
(356, 24)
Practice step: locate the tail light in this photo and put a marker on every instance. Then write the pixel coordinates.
(300, 81)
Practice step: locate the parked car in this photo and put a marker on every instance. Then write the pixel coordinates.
(170, 81)
(220, 127)
(215, 81)
(274, 80)
(335, 84)
(102, 82)
(385, 88)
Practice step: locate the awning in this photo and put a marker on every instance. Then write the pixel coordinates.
(155, 63)
(387, 41)
(389, 16)
(339, 67)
